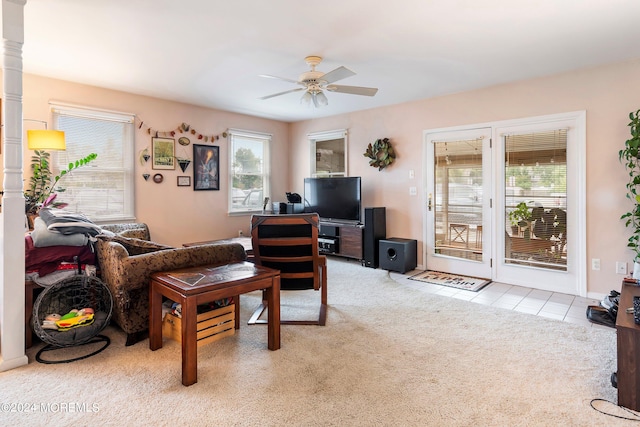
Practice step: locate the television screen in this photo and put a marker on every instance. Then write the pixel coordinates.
(335, 198)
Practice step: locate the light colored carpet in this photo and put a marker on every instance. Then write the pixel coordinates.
(390, 355)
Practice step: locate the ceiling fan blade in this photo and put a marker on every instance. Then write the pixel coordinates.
(353, 90)
(337, 74)
(282, 93)
(279, 78)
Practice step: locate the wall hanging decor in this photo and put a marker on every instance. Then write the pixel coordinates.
(206, 167)
(183, 163)
(184, 181)
(144, 156)
(184, 128)
(381, 153)
(163, 153)
(146, 176)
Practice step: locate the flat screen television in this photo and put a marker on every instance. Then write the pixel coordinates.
(334, 198)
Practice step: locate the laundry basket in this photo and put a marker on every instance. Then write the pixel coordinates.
(76, 292)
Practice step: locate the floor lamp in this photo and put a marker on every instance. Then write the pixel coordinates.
(43, 140)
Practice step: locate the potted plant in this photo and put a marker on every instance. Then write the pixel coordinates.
(42, 182)
(520, 217)
(629, 158)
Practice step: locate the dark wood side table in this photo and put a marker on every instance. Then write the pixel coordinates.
(199, 285)
(628, 337)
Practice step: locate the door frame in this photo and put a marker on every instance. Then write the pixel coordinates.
(577, 152)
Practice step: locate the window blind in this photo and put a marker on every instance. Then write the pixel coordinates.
(103, 190)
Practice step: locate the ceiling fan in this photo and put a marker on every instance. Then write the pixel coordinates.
(315, 82)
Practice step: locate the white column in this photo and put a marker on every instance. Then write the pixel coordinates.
(12, 312)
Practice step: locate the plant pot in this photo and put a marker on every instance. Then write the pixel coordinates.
(636, 270)
(31, 218)
(184, 163)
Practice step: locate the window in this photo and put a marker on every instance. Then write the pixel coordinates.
(329, 153)
(249, 171)
(103, 190)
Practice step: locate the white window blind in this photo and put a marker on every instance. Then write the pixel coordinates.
(249, 173)
(103, 190)
(536, 198)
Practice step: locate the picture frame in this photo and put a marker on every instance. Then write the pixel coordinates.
(184, 181)
(163, 153)
(206, 167)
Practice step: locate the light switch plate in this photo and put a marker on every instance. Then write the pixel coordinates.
(621, 267)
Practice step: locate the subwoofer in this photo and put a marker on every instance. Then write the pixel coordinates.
(398, 254)
(375, 229)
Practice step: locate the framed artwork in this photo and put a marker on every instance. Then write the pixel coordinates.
(206, 167)
(163, 153)
(184, 181)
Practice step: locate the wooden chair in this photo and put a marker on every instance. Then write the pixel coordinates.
(459, 233)
(289, 243)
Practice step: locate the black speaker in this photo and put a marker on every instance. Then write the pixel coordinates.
(398, 254)
(375, 229)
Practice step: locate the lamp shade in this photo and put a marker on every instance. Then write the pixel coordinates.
(46, 140)
(322, 99)
(306, 97)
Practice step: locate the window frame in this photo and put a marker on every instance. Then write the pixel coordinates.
(316, 137)
(266, 140)
(126, 168)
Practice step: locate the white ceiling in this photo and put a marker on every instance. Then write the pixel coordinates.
(211, 52)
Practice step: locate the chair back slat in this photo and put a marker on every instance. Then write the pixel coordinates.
(288, 243)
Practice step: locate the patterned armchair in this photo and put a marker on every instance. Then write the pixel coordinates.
(126, 264)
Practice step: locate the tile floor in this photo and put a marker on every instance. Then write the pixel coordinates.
(568, 308)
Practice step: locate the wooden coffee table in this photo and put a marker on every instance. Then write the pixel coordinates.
(199, 285)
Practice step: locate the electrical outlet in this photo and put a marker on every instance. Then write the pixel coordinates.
(595, 263)
(621, 267)
(240, 233)
(413, 191)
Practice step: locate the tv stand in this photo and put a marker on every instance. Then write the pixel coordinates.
(341, 238)
(628, 343)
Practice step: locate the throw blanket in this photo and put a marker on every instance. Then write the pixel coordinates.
(43, 237)
(46, 260)
(68, 222)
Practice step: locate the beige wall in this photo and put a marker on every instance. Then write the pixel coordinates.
(607, 94)
(179, 214)
(175, 214)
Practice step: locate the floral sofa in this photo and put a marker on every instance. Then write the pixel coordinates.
(126, 260)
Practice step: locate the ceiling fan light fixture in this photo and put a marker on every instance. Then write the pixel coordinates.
(306, 98)
(322, 99)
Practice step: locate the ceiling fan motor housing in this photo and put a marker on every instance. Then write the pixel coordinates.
(311, 77)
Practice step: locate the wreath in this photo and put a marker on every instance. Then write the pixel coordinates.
(381, 153)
